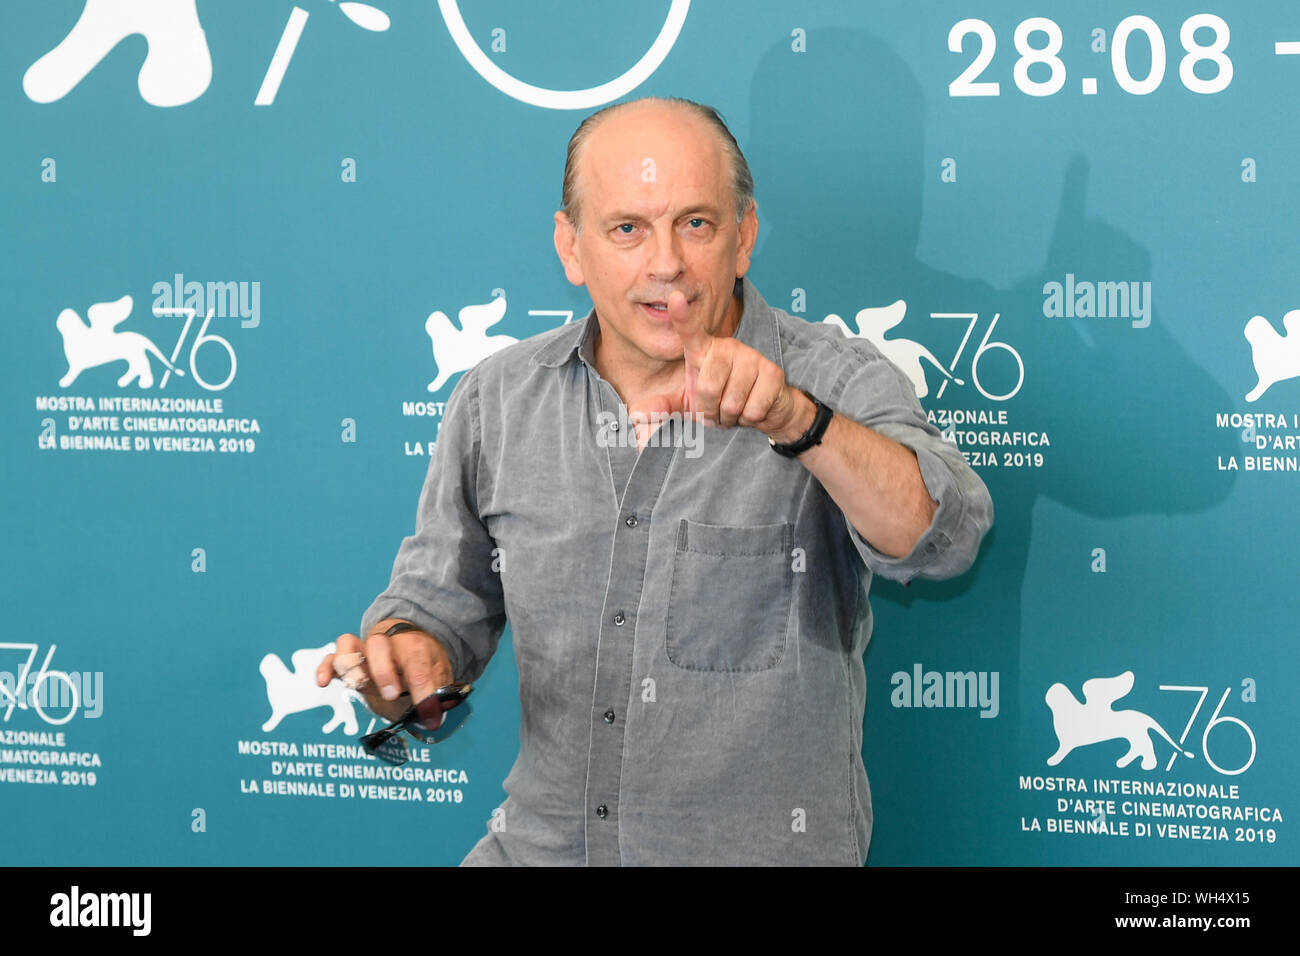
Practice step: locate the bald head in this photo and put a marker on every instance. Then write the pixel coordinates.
(688, 112)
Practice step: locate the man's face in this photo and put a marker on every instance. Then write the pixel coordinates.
(657, 213)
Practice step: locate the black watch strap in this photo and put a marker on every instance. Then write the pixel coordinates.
(813, 436)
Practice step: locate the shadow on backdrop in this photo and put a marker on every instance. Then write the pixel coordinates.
(838, 153)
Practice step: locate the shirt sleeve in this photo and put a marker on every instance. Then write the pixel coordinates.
(878, 395)
(443, 578)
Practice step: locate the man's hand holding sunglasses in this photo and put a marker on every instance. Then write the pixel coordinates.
(389, 662)
(404, 676)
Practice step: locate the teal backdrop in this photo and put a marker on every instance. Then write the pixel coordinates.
(1073, 225)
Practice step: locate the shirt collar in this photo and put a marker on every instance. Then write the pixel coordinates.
(560, 348)
(758, 329)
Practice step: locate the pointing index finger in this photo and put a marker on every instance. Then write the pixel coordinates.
(690, 329)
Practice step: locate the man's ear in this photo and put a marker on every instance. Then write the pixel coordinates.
(748, 236)
(566, 247)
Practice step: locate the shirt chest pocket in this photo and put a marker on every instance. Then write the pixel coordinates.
(729, 605)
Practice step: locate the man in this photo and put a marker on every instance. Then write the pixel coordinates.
(689, 607)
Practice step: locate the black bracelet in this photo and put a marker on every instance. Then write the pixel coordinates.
(813, 436)
(402, 627)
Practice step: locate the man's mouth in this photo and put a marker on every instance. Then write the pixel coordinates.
(657, 309)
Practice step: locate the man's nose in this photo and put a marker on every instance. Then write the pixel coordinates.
(666, 257)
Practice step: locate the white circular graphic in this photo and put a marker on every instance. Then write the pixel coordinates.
(564, 99)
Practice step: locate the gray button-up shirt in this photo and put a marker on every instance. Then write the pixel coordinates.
(689, 621)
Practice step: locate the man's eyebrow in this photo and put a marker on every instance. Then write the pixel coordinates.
(621, 216)
(705, 208)
(625, 216)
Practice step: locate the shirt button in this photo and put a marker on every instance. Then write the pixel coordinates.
(631, 521)
(609, 716)
(613, 426)
(619, 619)
(602, 811)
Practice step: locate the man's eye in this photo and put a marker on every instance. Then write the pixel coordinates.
(695, 222)
(626, 228)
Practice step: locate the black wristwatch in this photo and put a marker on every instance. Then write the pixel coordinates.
(813, 436)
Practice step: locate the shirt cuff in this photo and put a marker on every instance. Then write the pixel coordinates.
(933, 555)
